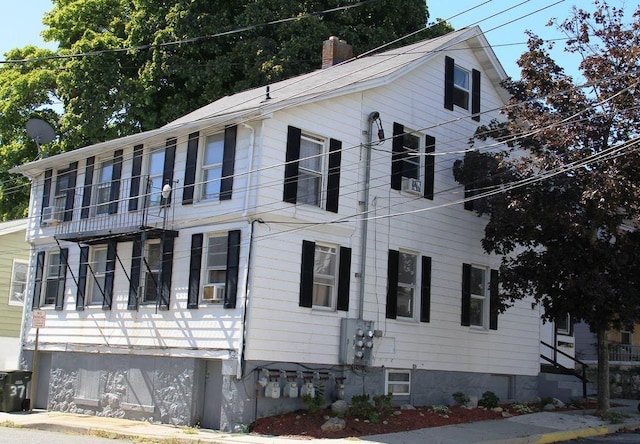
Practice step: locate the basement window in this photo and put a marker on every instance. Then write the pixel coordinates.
(397, 382)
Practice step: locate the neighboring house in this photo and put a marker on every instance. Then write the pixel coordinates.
(624, 345)
(14, 267)
(310, 239)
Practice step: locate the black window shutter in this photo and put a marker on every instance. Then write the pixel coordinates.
(344, 279)
(62, 280)
(291, 166)
(169, 161)
(114, 196)
(465, 318)
(82, 278)
(228, 162)
(190, 169)
(333, 178)
(306, 273)
(429, 166)
(109, 275)
(37, 282)
(134, 279)
(86, 192)
(392, 284)
(475, 94)
(233, 266)
(494, 301)
(167, 270)
(136, 171)
(448, 82)
(46, 190)
(397, 156)
(425, 290)
(195, 266)
(70, 192)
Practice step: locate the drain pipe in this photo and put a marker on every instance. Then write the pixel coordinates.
(365, 211)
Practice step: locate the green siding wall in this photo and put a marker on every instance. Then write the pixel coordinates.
(12, 246)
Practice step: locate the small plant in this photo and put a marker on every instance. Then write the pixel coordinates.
(440, 409)
(522, 408)
(190, 430)
(614, 417)
(578, 403)
(546, 400)
(360, 406)
(489, 400)
(460, 398)
(314, 403)
(383, 404)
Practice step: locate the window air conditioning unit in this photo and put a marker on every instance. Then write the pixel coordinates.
(411, 185)
(213, 293)
(51, 215)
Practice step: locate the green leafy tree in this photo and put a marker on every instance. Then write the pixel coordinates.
(562, 198)
(118, 70)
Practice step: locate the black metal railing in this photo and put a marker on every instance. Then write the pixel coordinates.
(582, 374)
(624, 352)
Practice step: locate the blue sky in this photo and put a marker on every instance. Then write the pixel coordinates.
(23, 23)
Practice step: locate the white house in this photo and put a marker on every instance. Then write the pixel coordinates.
(306, 237)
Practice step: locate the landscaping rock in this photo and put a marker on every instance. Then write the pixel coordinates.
(497, 409)
(340, 407)
(549, 407)
(333, 425)
(407, 407)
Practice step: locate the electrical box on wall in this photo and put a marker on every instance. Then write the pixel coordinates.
(356, 341)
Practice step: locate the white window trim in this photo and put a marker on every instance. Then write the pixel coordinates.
(94, 300)
(12, 300)
(324, 168)
(147, 180)
(334, 286)
(204, 278)
(462, 88)
(96, 204)
(484, 297)
(387, 382)
(145, 271)
(418, 157)
(565, 331)
(415, 286)
(46, 276)
(202, 151)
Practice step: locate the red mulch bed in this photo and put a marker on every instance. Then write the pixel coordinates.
(303, 424)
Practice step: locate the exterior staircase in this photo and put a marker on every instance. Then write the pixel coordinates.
(563, 384)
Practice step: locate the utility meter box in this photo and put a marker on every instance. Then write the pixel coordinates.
(356, 342)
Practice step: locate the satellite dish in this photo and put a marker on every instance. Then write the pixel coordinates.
(41, 132)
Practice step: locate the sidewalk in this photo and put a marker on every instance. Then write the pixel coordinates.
(544, 427)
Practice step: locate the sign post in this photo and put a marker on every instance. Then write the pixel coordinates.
(37, 322)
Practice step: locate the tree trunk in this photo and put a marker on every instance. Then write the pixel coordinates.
(603, 371)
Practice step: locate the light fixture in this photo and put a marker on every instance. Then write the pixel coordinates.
(166, 191)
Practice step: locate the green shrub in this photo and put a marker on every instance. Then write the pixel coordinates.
(460, 398)
(360, 406)
(315, 403)
(383, 404)
(521, 408)
(489, 400)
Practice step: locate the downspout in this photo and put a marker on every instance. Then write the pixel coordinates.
(241, 361)
(365, 212)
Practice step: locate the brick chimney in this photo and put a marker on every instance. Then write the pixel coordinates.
(335, 51)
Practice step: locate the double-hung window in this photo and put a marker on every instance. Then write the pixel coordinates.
(54, 271)
(151, 272)
(412, 167)
(156, 174)
(480, 301)
(103, 187)
(98, 263)
(325, 276)
(212, 167)
(312, 170)
(18, 282)
(479, 297)
(216, 269)
(461, 88)
(408, 286)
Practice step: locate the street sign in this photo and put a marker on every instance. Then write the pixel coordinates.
(38, 319)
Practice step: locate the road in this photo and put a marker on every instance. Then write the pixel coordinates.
(31, 436)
